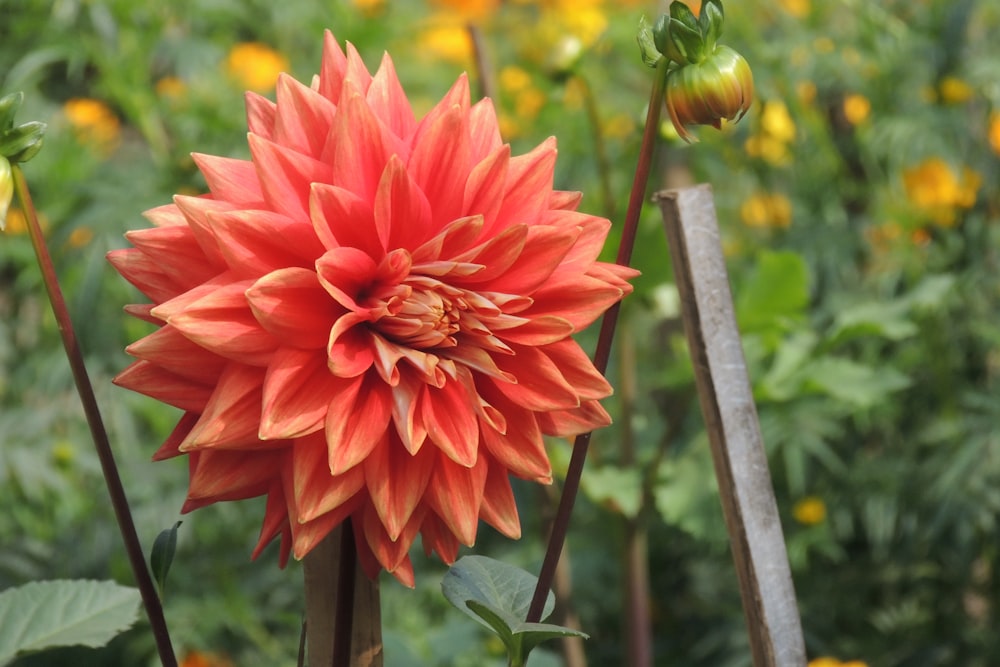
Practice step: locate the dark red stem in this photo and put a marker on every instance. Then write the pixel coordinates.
(151, 601)
(575, 470)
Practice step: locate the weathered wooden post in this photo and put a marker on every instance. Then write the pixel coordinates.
(727, 404)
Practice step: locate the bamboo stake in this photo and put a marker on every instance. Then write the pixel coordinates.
(730, 414)
(330, 621)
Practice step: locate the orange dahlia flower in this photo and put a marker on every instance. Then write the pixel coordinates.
(371, 317)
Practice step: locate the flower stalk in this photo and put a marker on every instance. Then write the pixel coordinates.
(116, 491)
(574, 472)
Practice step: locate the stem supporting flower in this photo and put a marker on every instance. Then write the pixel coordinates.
(116, 491)
(602, 353)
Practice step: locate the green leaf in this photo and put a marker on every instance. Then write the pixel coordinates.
(885, 320)
(498, 595)
(9, 104)
(710, 19)
(777, 289)
(687, 41)
(852, 382)
(162, 555)
(21, 143)
(620, 488)
(647, 43)
(44, 614)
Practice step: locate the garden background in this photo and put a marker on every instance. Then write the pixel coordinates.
(860, 210)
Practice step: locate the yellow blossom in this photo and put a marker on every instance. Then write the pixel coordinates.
(806, 91)
(856, 108)
(993, 132)
(448, 39)
(369, 7)
(93, 122)
(797, 8)
(619, 126)
(80, 237)
(953, 90)
(255, 66)
(18, 224)
(933, 187)
(824, 45)
(824, 662)
(810, 511)
(766, 210)
(469, 10)
(514, 79)
(171, 87)
(776, 121)
(767, 148)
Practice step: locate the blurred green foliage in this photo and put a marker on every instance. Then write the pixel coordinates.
(860, 211)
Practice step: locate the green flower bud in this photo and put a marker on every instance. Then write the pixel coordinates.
(6, 190)
(719, 87)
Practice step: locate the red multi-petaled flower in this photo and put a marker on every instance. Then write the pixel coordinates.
(371, 317)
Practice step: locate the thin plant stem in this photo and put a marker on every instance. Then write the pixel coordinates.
(343, 627)
(126, 526)
(487, 84)
(604, 339)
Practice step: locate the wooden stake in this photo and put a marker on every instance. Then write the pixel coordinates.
(748, 502)
(322, 573)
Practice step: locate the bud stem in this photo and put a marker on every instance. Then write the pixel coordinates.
(574, 472)
(126, 526)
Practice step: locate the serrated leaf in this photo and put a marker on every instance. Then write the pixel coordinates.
(162, 555)
(45, 614)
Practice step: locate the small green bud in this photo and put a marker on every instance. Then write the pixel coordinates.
(704, 93)
(6, 190)
(23, 142)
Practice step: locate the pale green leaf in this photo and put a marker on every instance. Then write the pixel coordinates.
(45, 614)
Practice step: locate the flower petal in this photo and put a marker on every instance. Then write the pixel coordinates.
(455, 493)
(402, 213)
(317, 490)
(170, 350)
(285, 176)
(230, 180)
(387, 100)
(356, 422)
(303, 117)
(590, 416)
(540, 384)
(450, 421)
(342, 218)
(255, 242)
(298, 389)
(223, 323)
(396, 483)
(499, 508)
(153, 381)
(294, 308)
(231, 418)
